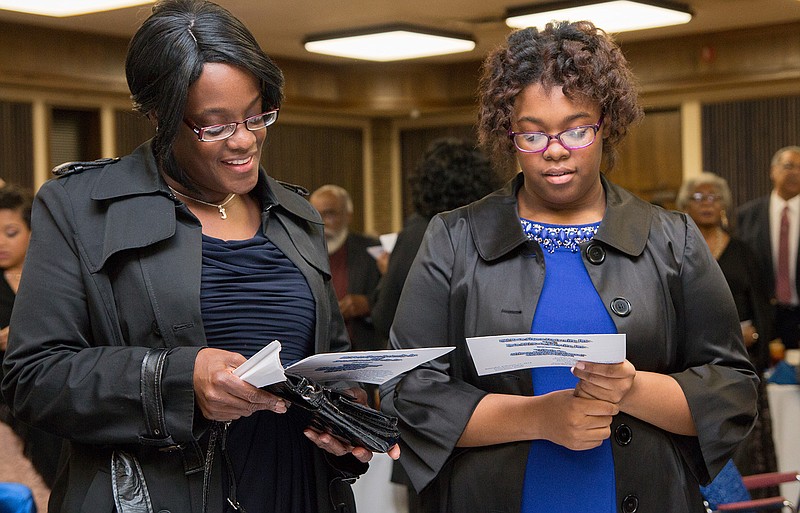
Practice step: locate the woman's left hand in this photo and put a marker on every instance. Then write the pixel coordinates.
(330, 444)
(609, 382)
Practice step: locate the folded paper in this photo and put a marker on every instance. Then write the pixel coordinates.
(504, 353)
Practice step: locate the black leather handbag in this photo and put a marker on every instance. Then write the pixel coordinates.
(333, 412)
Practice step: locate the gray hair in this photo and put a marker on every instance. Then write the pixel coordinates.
(779, 153)
(704, 178)
(339, 192)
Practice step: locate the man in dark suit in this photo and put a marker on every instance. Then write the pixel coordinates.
(355, 273)
(760, 224)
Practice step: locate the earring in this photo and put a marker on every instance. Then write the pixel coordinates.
(723, 218)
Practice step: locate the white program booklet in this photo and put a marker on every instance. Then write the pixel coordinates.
(388, 241)
(264, 368)
(504, 353)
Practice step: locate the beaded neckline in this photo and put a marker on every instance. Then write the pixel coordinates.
(551, 236)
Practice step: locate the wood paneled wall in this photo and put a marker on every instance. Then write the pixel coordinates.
(132, 129)
(740, 138)
(389, 102)
(649, 159)
(312, 156)
(16, 143)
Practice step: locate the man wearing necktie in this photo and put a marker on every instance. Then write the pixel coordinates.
(771, 226)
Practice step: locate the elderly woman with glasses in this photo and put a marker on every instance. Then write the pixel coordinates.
(150, 278)
(562, 250)
(707, 199)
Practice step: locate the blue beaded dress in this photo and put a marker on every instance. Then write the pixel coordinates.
(557, 479)
(251, 294)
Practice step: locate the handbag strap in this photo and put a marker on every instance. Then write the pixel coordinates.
(219, 433)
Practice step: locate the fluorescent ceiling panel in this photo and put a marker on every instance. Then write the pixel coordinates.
(62, 8)
(392, 45)
(612, 16)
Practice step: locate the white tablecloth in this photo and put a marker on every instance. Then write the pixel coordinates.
(374, 491)
(784, 406)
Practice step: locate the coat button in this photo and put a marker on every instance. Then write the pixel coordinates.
(621, 306)
(623, 434)
(155, 329)
(595, 254)
(630, 504)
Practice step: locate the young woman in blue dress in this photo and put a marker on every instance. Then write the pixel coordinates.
(561, 250)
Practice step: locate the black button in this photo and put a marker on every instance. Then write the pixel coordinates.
(630, 504)
(154, 327)
(621, 306)
(595, 254)
(623, 434)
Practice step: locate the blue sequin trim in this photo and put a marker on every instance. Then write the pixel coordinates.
(552, 237)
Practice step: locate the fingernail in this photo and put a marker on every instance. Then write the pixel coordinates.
(580, 366)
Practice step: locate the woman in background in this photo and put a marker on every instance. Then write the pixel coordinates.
(707, 198)
(451, 173)
(29, 456)
(15, 233)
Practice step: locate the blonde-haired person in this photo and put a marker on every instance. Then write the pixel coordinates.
(707, 199)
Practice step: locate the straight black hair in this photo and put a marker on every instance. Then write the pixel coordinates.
(167, 54)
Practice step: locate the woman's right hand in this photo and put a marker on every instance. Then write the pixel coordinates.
(223, 396)
(577, 423)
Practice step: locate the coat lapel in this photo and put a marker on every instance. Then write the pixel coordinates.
(136, 208)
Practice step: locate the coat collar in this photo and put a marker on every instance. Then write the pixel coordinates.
(137, 174)
(495, 227)
(132, 189)
(627, 222)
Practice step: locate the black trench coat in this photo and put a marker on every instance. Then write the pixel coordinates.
(112, 273)
(477, 274)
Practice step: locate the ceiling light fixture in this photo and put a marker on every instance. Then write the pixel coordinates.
(610, 15)
(71, 8)
(389, 43)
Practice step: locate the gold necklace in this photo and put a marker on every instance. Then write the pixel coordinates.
(221, 207)
(717, 248)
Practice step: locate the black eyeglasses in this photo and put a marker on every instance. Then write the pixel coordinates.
(699, 197)
(571, 138)
(213, 133)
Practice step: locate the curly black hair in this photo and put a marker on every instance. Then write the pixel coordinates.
(451, 173)
(578, 57)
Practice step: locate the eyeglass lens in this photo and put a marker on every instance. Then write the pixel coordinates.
(699, 196)
(253, 123)
(571, 139)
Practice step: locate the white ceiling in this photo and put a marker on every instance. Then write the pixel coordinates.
(281, 26)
